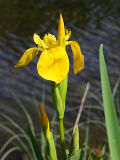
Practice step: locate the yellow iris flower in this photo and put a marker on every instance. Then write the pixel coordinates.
(44, 121)
(53, 63)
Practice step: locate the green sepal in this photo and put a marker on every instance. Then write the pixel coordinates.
(50, 148)
(75, 156)
(79, 154)
(58, 92)
(74, 146)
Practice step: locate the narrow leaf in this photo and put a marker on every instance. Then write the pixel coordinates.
(76, 156)
(74, 146)
(35, 146)
(82, 152)
(9, 151)
(112, 124)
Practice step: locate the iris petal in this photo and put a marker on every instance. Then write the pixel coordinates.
(27, 57)
(39, 41)
(53, 64)
(50, 40)
(78, 58)
(67, 34)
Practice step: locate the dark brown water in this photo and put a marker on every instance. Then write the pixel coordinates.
(91, 22)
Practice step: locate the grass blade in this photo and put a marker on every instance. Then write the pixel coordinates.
(112, 124)
(82, 152)
(9, 141)
(18, 139)
(116, 87)
(86, 142)
(35, 146)
(16, 125)
(25, 112)
(90, 154)
(9, 151)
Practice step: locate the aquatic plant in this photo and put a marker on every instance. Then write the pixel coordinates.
(53, 65)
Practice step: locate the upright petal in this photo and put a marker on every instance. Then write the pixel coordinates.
(78, 58)
(27, 57)
(53, 64)
(39, 41)
(50, 40)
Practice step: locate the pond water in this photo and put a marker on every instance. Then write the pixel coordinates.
(91, 22)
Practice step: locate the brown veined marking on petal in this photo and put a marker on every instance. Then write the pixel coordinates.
(50, 40)
(53, 65)
(27, 57)
(52, 54)
(55, 61)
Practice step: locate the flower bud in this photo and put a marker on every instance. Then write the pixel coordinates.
(61, 32)
(50, 146)
(44, 122)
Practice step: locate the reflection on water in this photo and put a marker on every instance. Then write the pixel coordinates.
(92, 23)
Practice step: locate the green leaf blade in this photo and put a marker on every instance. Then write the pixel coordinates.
(112, 124)
(35, 146)
(74, 146)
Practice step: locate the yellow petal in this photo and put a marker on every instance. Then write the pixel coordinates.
(78, 58)
(50, 40)
(61, 31)
(44, 121)
(53, 64)
(67, 35)
(39, 41)
(27, 57)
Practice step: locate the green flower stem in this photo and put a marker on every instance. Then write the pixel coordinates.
(61, 127)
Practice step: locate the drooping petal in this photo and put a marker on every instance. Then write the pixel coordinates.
(50, 40)
(39, 41)
(53, 64)
(78, 58)
(27, 57)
